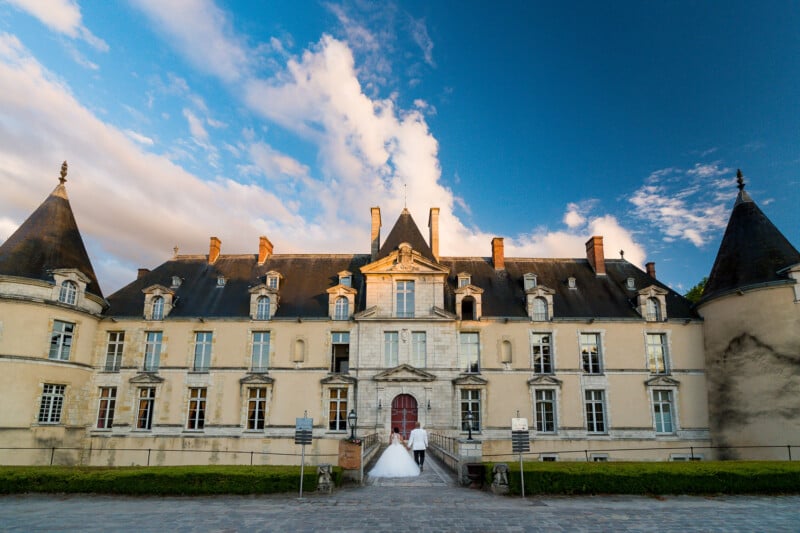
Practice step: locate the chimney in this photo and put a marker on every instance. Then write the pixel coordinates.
(433, 224)
(651, 269)
(594, 253)
(213, 250)
(142, 273)
(498, 257)
(264, 249)
(375, 234)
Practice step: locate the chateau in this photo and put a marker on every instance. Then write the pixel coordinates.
(211, 357)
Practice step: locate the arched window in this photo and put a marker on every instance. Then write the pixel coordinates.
(262, 308)
(468, 308)
(540, 309)
(342, 309)
(158, 308)
(69, 293)
(653, 310)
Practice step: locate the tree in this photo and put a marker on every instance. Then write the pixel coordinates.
(695, 293)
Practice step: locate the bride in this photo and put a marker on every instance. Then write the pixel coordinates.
(395, 461)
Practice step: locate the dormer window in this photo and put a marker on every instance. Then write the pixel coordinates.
(341, 299)
(263, 302)
(631, 284)
(652, 303)
(273, 280)
(540, 309)
(539, 302)
(176, 282)
(69, 286)
(158, 308)
(571, 283)
(221, 281)
(464, 279)
(346, 278)
(653, 313)
(158, 302)
(341, 309)
(529, 281)
(68, 293)
(262, 308)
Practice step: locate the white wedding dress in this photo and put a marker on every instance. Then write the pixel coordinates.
(396, 461)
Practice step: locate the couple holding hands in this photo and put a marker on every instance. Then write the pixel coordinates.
(396, 461)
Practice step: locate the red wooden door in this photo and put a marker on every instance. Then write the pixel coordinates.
(404, 413)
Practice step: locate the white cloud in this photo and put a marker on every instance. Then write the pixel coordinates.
(274, 164)
(572, 218)
(139, 138)
(62, 16)
(199, 133)
(419, 32)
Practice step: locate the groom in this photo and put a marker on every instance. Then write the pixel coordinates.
(418, 441)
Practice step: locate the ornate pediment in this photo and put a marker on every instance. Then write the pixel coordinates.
(257, 379)
(470, 379)
(338, 379)
(158, 289)
(540, 290)
(662, 381)
(341, 290)
(146, 378)
(404, 261)
(404, 373)
(652, 290)
(469, 289)
(544, 381)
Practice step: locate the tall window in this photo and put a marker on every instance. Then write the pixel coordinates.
(61, 340)
(540, 309)
(52, 403)
(202, 351)
(116, 342)
(259, 360)
(590, 353)
(105, 412)
(68, 293)
(542, 360)
(337, 412)
(662, 411)
(653, 310)
(595, 413)
(469, 350)
(657, 353)
(545, 411)
(152, 351)
(197, 408)
(256, 408)
(272, 281)
(262, 308)
(341, 310)
(419, 349)
(390, 348)
(340, 347)
(158, 308)
(405, 299)
(471, 403)
(144, 408)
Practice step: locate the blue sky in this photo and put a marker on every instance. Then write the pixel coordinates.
(543, 123)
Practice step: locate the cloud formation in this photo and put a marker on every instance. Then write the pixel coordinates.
(61, 16)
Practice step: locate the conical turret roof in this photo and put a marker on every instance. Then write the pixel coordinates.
(48, 240)
(405, 230)
(753, 251)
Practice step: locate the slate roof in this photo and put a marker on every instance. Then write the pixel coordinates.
(405, 230)
(752, 252)
(49, 239)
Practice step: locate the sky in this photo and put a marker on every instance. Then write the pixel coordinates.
(542, 123)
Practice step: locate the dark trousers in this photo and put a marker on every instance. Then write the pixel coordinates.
(419, 457)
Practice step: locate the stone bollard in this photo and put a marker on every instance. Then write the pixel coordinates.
(325, 479)
(500, 478)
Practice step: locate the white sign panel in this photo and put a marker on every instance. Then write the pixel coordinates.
(519, 424)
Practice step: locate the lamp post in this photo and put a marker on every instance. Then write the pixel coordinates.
(469, 418)
(352, 418)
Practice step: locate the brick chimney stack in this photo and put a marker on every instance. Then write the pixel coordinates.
(264, 249)
(594, 253)
(498, 254)
(142, 273)
(213, 250)
(651, 269)
(433, 224)
(375, 234)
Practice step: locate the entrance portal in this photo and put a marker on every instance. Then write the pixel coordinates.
(404, 413)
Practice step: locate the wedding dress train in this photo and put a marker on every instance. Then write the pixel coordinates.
(396, 461)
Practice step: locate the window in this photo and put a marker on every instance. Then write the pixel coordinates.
(346, 280)
(61, 340)
(529, 281)
(470, 352)
(340, 342)
(259, 360)
(158, 308)
(571, 283)
(256, 408)
(590, 353)
(341, 309)
(468, 307)
(548, 457)
(471, 403)
(631, 283)
(599, 457)
(52, 403)
(272, 281)
(405, 299)
(419, 349)
(176, 282)
(464, 280)
(105, 413)
(116, 341)
(595, 417)
(545, 411)
(540, 309)
(390, 348)
(662, 411)
(152, 351)
(68, 293)
(144, 409)
(197, 408)
(337, 413)
(262, 308)
(202, 351)
(653, 310)
(221, 281)
(657, 353)
(542, 361)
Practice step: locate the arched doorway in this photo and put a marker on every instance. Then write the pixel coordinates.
(404, 413)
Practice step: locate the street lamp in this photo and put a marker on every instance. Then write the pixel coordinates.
(352, 418)
(469, 417)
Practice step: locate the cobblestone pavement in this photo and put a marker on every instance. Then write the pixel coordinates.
(428, 503)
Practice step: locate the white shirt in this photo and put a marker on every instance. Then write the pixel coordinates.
(418, 440)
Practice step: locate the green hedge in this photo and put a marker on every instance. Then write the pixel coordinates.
(160, 480)
(700, 477)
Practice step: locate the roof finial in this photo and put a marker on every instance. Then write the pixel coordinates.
(405, 196)
(175, 251)
(740, 179)
(622, 254)
(63, 177)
